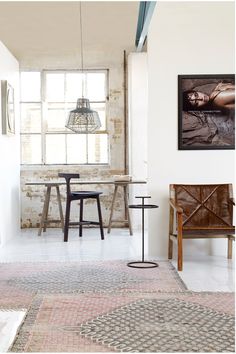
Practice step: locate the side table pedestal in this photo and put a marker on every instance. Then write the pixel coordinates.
(143, 263)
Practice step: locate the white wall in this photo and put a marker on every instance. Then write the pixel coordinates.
(138, 106)
(138, 109)
(184, 38)
(9, 156)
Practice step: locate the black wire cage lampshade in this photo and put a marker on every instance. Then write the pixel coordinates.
(83, 119)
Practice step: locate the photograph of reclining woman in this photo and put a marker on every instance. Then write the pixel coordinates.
(206, 112)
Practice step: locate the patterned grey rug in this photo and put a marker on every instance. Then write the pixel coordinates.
(79, 277)
(151, 325)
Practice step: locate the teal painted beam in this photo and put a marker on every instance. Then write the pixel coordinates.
(141, 19)
(146, 9)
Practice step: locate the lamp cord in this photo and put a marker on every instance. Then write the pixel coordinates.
(81, 44)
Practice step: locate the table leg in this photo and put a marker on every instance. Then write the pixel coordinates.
(60, 207)
(127, 209)
(125, 203)
(143, 230)
(45, 208)
(112, 209)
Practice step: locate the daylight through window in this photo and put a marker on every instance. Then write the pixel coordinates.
(46, 99)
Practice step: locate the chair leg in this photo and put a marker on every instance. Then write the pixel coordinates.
(81, 217)
(230, 247)
(180, 242)
(170, 242)
(100, 218)
(170, 248)
(180, 254)
(67, 219)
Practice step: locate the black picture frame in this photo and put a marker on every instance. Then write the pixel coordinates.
(206, 112)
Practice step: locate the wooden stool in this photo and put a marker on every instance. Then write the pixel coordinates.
(127, 220)
(44, 218)
(81, 196)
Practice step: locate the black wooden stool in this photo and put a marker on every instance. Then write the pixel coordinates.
(142, 263)
(80, 195)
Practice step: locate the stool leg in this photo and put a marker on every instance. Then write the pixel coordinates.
(67, 219)
(112, 209)
(81, 217)
(60, 208)
(100, 218)
(127, 210)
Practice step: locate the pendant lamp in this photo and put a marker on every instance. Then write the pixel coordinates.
(83, 119)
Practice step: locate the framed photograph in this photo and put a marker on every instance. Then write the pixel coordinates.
(206, 112)
(8, 112)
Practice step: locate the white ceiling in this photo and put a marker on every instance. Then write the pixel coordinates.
(51, 29)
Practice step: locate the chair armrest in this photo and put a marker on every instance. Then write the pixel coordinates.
(175, 206)
(232, 201)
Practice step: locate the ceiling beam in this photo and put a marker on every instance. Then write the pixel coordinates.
(146, 9)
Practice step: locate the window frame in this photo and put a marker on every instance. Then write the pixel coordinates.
(43, 106)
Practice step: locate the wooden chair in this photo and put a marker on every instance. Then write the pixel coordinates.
(81, 196)
(202, 211)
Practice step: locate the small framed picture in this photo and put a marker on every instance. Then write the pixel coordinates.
(206, 112)
(8, 111)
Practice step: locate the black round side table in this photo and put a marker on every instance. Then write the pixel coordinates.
(142, 263)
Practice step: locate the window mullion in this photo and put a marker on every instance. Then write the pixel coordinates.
(85, 95)
(65, 95)
(43, 121)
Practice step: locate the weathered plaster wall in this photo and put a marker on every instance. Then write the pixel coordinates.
(9, 156)
(32, 196)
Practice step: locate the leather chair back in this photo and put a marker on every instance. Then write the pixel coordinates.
(205, 206)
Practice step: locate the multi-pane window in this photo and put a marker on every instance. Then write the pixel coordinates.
(46, 99)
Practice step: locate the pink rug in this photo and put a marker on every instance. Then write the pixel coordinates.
(109, 307)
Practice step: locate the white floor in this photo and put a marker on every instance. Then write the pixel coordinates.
(200, 273)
